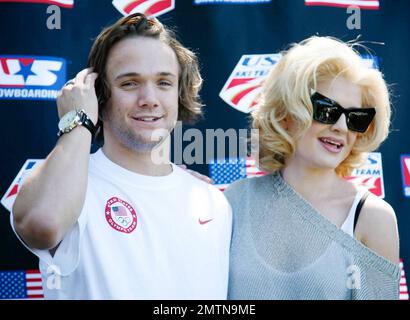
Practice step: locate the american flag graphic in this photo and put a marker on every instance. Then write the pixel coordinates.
(119, 211)
(251, 169)
(404, 294)
(362, 4)
(61, 3)
(224, 172)
(24, 284)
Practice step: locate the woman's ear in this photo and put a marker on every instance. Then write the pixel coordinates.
(285, 124)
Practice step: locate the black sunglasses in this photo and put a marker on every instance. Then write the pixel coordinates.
(327, 111)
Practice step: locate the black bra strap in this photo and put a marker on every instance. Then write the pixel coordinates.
(358, 208)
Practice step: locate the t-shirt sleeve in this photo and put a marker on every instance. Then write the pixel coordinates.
(66, 258)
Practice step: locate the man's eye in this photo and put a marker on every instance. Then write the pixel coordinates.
(165, 83)
(128, 84)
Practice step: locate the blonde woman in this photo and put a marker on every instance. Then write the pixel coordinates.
(304, 232)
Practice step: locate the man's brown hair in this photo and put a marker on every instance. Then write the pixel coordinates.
(190, 81)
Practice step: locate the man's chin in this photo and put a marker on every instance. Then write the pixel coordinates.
(143, 146)
(141, 143)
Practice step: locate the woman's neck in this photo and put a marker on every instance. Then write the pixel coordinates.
(312, 183)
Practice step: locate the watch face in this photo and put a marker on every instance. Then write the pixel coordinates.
(67, 120)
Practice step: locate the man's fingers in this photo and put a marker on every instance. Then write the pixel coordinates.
(80, 77)
(90, 79)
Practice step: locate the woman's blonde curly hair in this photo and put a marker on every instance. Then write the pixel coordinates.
(286, 97)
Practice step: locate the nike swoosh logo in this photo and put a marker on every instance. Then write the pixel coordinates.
(204, 222)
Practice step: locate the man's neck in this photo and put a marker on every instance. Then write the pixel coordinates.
(138, 162)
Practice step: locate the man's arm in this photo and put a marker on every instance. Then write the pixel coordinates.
(50, 201)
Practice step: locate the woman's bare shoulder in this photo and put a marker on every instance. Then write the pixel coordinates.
(377, 228)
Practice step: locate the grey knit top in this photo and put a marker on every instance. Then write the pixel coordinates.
(282, 248)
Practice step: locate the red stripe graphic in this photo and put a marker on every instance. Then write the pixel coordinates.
(157, 7)
(65, 4)
(133, 5)
(243, 93)
(236, 82)
(342, 5)
(404, 294)
(4, 65)
(34, 284)
(13, 191)
(153, 9)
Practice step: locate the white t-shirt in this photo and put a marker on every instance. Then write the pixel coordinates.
(142, 237)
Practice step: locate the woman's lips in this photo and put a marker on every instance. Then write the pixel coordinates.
(332, 145)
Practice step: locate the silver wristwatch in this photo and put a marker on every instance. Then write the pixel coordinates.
(73, 119)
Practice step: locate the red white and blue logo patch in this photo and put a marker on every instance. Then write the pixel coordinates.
(31, 77)
(150, 8)
(370, 175)
(120, 215)
(405, 173)
(243, 87)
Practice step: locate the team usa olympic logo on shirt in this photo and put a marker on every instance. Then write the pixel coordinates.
(120, 215)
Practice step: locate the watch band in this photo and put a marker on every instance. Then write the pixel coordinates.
(84, 120)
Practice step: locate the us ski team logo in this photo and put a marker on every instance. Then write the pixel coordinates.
(370, 175)
(151, 8)
(120, 215)
(243, 87)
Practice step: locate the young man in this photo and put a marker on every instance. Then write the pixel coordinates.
(118, 224)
